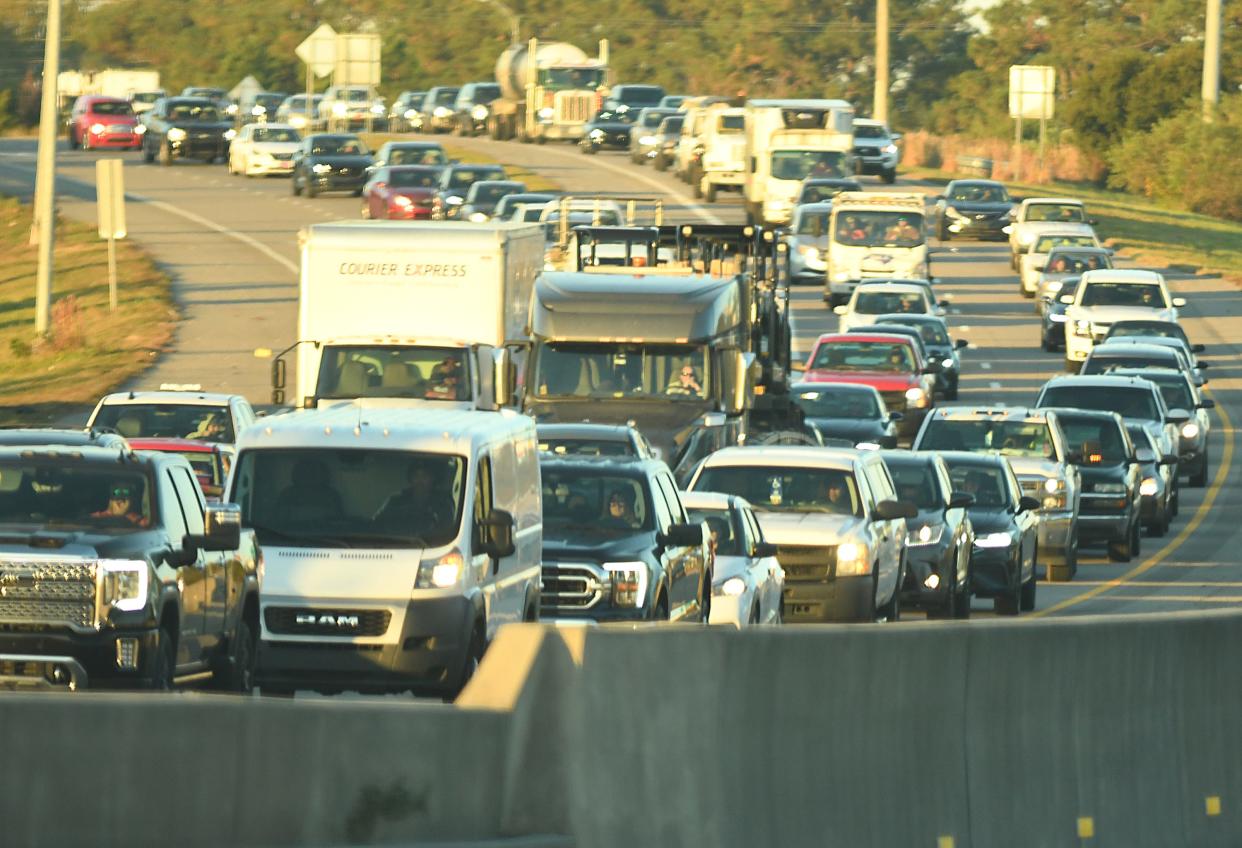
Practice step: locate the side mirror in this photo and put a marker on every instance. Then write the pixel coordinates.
(1179, 301)
(1198, 348)
(896, 416)
(932, 368)
(1202, 365)
(497, 532)
(1026, 503)
(222, 528)
(1177, 416)
(764, 549)
(734, 383)
(961, 344)
(1040, 268)
(839, 310)
(798, 366)
(1206, 403)
(892, 510)
(1066, 299)
(279, 373)
(682, 536)
(961, 500)
(1168, 459)
(1093, 221)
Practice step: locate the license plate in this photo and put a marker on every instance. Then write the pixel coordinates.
(284, 164)
(800, 609)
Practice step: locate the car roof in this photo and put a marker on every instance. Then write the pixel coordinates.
(1077, 248)
(973, 182)
(1121, 275)
(620, 465)
(791, 456)
(995, 413)
(823, 206)
(865, 337)
(1169, 342)
(1063, 201)
(1065, 411)
(1101, 381)
(1120, 347)
(1154, 373)
(584, 430)
(712, 500)
(169, 397)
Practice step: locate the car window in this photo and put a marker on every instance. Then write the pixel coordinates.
(1098, 441)
(917, 483)
(1046, 243)
(670, 493)
(190, 499)
(1012, 438)
(880, 302)
(1063, 212)
(979, 194)
(726, 539)
(785, 489)
(838, 402)
(988, 483)
(583, 503)
(864, 356)
(1123, 294)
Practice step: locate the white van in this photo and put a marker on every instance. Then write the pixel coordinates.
(396, 542)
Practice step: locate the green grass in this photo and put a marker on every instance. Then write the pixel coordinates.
(1141, 230)
(534, 181)
(88, 350)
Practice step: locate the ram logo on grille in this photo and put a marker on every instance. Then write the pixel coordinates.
(351, 622)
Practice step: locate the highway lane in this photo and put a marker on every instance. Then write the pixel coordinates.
(231, 246)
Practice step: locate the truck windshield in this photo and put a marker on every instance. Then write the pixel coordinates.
(676, 372)
(431, 373)
(800, 164)
(583, 503)
(204, 422)
(350, 498)
(97, 496)
(778, 489)
(1124, 294)
(879, 229)
(731, 124)
(1011, 438)
(560, 79)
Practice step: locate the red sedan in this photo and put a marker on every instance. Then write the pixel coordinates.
(401, 191)
(891, 364)
(99, 121)
(210, 463)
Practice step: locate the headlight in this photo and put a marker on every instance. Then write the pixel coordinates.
(852, 560)
(97, 129)
(441, 572)
(647, 139)
(546, 113)
(732, 587)
(297, 121)
(402, 200)
(409, 114)
(478, 217)
(890, 148)
(1190, 430)
(948, 363)
(176, 134)
(1148, 487)
(1026, 237)
(453, 200)
(321, 168)
(231, 109)
(1082, 328)
(629, 583)
(953, 213)
(124, 583)
(841, 276)
(1110, 488)
(916, 397)
(230, 134)
(597, 134)
(925, 535)
(1054, 286)
(867, 446)
(377, 109)
(339, 109)
(479, 112)
(994, 540)
(1057, 317)
(257, 109)
(140, 128)
(440, 112)
(809, 250)
(1053, 485)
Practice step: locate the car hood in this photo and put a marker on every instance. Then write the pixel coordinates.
(976, 206)
(1113, 314)
(340, 160)
(850, 428)
(807, 528)
(986, 520)
(412, 192)
(729, 566)
(192, 127)
(884, 381)
(1029, 466)
(1092, 474)
(274, 146)
(19, 540)
(608, 127)
(562, 547)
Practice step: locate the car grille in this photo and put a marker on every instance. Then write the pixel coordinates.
(895, 401)
(566, 586)
(284, 620)
(202, 136)
(573, 108)
(122, 129)
(282, 157)
(48, 593)
(808, 564)
(866, 151)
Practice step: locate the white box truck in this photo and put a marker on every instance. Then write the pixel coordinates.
(788, 141)
(396, 543)
(412, 310)
(723, 163)
(875, 236)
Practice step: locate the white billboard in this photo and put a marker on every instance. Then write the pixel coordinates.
(1032, 90)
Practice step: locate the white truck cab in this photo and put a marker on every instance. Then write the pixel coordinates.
(418, 311)
(875, 235)
(788, 141)
(724, 151)
(396, 542)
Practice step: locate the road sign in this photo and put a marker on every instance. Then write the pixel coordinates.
(1031, 91)
(245, 89)
(318, 50)
(110, 198)
(357, 59)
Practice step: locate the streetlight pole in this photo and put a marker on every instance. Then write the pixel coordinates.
(515, 30)
(879, 108)
(1211, 59)
(45, 172)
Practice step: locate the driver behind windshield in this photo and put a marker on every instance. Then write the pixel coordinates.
(123, 505)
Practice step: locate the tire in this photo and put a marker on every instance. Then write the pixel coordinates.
(588, 150)
(1047, 344)
(163, 663)
(660, 164)
(1200, 478)
(1160, 526)
(1010, 603)
(147, 155)
(311, 190)
(889, 177)
(891, 611)
(1126, 549)
(951, 394)
(1026, 600)
(942, 234)
(696, 186)
(357, 192)
(710, 194)
(961, 604)
(73, 143)
(474, 656)
(1175, 502)
(1062, 572)
(165, 155)
(293, 185)
(238, 677)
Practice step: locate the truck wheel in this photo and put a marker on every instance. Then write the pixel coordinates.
(661, 164)
(163, 663)
(889, 176)
(311, 189)
(239, 674)
(710, 194)
(1125, 549)
(961, 604)
(891, 611)
(1160, 526)
(474, 656)
(294, 186)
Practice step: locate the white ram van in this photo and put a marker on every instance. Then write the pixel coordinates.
(396, 542)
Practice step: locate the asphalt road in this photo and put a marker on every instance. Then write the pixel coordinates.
(230, 244)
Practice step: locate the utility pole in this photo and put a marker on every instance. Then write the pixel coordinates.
(45, 173)
(1211, 59)
(879, 108)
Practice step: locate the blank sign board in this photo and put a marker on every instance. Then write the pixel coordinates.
(1031, 91)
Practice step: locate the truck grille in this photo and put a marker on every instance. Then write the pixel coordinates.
(573, 108)
(571, 587)
(807, 564)
(895, 401)
(48, 593)
(307, 621)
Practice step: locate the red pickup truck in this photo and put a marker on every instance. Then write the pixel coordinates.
(890, 363)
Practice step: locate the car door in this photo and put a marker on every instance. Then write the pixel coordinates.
(216, 564)
(486, 569)
(190, 578)
(890, 533)
(682, 572)
(767, 571)
(1028, 526)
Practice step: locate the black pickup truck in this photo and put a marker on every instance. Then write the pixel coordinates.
(115, 573)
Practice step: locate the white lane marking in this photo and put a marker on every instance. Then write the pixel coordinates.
(224, 231)
(964, 328)
(994, 385)
(986, 366)
(643, 178)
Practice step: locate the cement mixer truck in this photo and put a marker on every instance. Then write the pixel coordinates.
(548, 90)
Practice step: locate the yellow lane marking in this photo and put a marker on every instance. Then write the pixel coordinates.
(1173, 584)
(1176, 599)
(1086, 827)
(1212, 804)
(1205, 508)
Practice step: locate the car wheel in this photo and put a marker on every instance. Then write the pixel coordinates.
(311, 189)
(163, 663)
(295, 186)
(1063, 572)
(1026, 602)
(889, 176)
(147, 155)
(710, 194)
(1046, 343)
(474, 656)
(961, 603)
(942, 234)
(588, 150)
(1175, 500)
(891, 611)
(165, 154)
(1123, 550)
(1200, 478)
(696, 187)
(951, 394)
(239, 675)
(1160, 525)
(661, 164)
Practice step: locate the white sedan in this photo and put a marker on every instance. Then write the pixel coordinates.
(882, 297)
(261, 149)
(748, 582)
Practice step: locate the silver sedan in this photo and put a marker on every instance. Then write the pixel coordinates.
(748, 582)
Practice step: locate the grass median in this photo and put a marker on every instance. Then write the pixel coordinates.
(534, 181)
(88, 350)
(1139, 229)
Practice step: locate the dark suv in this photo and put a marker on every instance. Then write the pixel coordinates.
(186, 128)
(472, 107)
(114, 573)
(618, 545)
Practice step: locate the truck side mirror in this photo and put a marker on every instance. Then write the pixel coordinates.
(733, 381)
(222, 528)
(486, 367)
(682, 536)
(960, 343)
(1026, 503)
(764, 549)
(497, 532)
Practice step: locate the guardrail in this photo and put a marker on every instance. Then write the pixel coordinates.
(979, 166)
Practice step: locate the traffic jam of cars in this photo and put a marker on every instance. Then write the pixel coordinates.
(618, 431)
